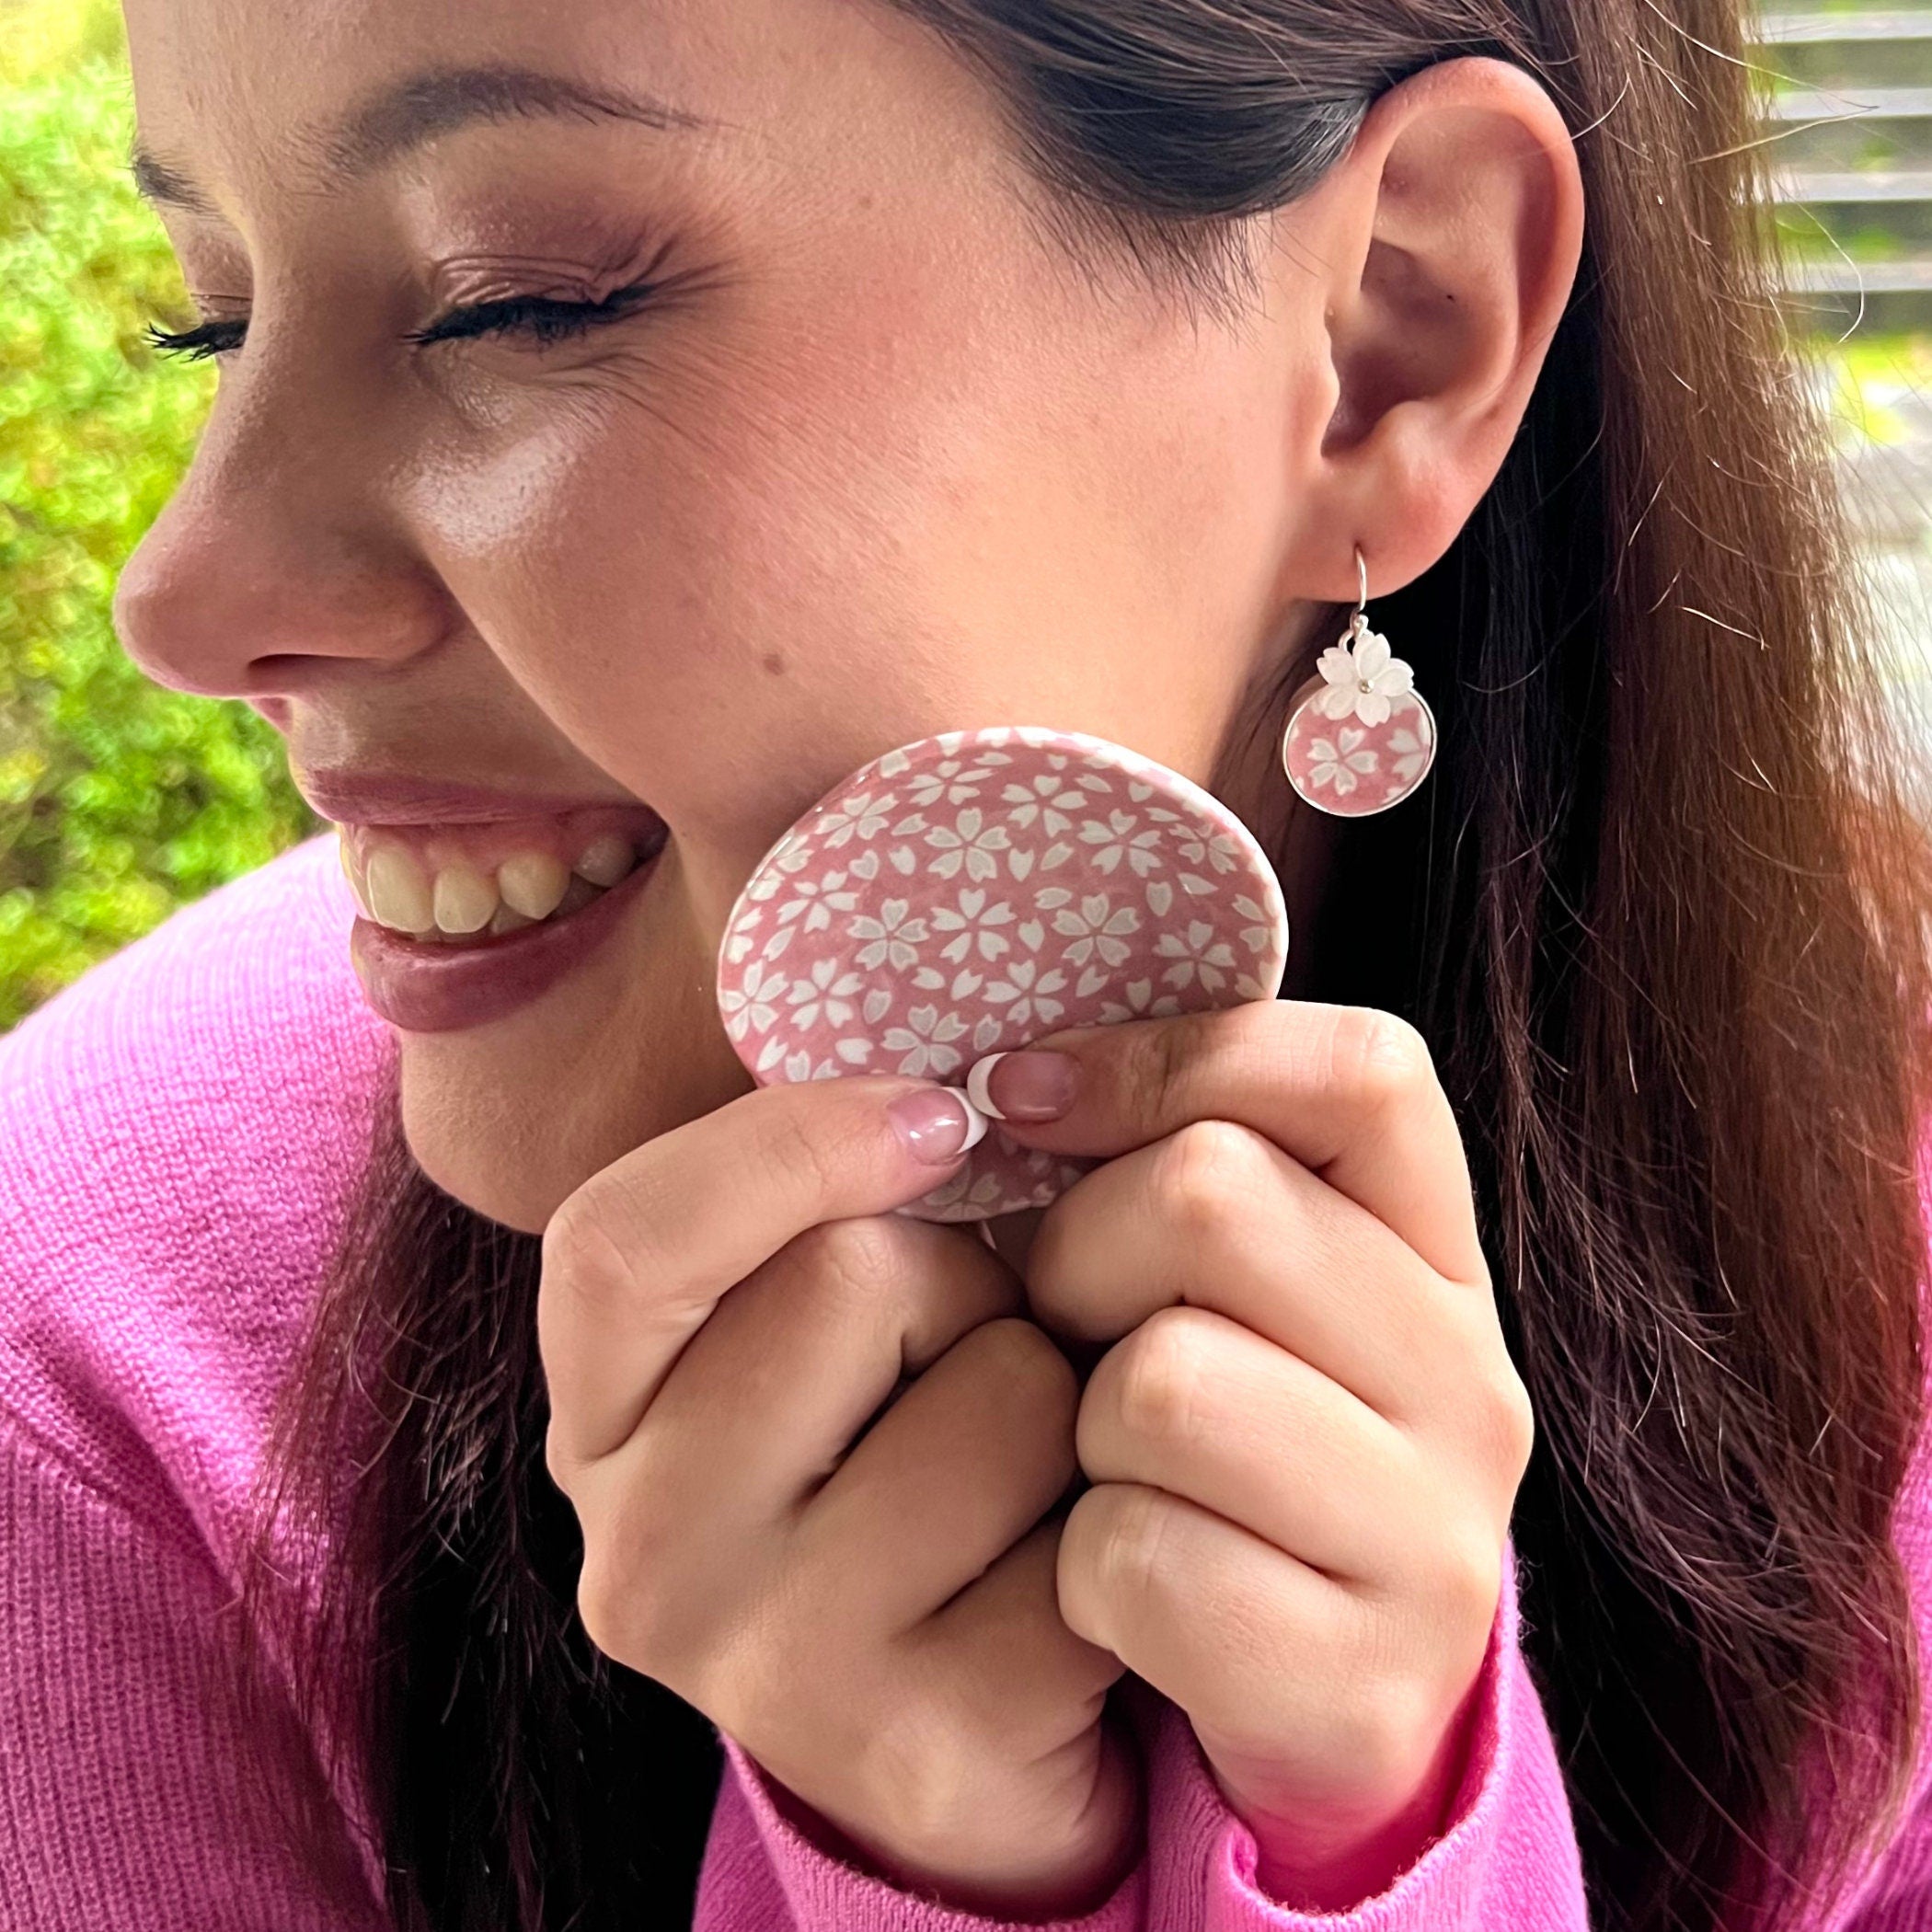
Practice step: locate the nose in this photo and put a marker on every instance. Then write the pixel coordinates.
(275, 555)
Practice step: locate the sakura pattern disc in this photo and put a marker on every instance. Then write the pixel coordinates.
(1360, 737)
(970, 893)
(1353, 769)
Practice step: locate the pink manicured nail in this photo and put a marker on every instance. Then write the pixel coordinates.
(1024, 1084)
(937, 1123)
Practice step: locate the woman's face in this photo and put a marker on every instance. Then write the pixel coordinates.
(871, 459)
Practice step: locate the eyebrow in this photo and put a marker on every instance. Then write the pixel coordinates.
(405, 113)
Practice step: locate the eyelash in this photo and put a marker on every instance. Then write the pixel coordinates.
(542, 317)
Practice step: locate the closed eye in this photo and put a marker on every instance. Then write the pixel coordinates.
(542, 319)
(207, 339)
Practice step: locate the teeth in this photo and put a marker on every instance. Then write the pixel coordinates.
(606, 860)
(580, 892)
(459, 900)
(463, 901)
(532, 883)
(398, 893)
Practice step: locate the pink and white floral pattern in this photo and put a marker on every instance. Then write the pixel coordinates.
(964, 894)
(1345, 766)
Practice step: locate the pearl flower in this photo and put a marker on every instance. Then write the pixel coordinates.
(1362, 679)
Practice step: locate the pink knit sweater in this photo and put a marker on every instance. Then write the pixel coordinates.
(180, 1131)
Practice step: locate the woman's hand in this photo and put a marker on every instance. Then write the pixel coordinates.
(864, 1600)
(1306, 1439)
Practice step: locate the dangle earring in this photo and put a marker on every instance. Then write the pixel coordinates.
(1359, 737)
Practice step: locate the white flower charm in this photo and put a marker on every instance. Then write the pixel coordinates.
(1362, 677)
(817, 899)
(1217, 849)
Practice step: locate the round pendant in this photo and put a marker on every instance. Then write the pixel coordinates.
(1350, 769)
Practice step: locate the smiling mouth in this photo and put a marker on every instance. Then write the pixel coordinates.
(473, 886)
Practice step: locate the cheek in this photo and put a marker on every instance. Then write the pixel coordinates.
(728, 587)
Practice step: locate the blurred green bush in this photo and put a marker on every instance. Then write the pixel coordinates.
(119, 800)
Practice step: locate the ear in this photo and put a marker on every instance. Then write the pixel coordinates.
(1439, 254)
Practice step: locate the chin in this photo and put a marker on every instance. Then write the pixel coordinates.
(510, 1171)
(514, 1132)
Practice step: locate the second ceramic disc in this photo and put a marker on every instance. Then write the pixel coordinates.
(969, 892)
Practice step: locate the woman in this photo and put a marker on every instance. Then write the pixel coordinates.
(634, 420)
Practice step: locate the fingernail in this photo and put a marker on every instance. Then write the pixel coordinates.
(1029, 1086)
(937, 1123)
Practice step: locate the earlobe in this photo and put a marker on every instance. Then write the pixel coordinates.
(1451, 237)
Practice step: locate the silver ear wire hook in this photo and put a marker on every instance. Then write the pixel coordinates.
(1359, 622)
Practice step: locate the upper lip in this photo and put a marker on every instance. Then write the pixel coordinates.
(362, 797)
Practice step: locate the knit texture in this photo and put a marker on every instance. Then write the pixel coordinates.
(182, 1129)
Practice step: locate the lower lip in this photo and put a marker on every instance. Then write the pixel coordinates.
(430, 988)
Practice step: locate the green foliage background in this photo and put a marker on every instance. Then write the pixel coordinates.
(119, 800)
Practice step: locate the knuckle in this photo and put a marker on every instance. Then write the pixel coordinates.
(1021, 1352)
(1258, 1039)
(1033, 1384)
(580, 1253)
(1511, 1418)
(848, 1264)
(561, 1469)
(1127, 1525)
(928, 1789)
(1380, 1057)
(1471, 1583)
(1209, 1172)
(1245, 1043)
(1172, 1049)
(607, 1614)
(629, 1607)
(1387, 1707)
(1394, 1731)
(1493, 1407)
(608, 1249)
(1157, 1376)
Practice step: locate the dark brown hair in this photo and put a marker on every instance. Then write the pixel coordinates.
(1660, 918)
